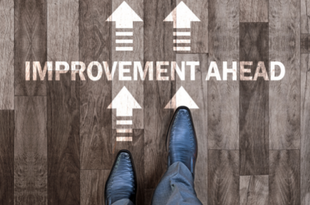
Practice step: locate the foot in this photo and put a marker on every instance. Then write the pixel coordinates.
(121, 183)
(182, 139)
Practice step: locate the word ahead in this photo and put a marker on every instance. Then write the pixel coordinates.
(163, 70)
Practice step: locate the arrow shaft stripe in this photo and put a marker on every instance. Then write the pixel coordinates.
(124, 122)
(124, 41)
(182, 33)
(124, 48)
(124, 33)
(181, 48)
(124, 139)
(181, 41)
(123, 130)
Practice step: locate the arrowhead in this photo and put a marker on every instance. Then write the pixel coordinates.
(182, 16)
(124, 103)
(124, 16)
(181, 98)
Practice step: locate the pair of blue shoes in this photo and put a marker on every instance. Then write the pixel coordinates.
(122, 181)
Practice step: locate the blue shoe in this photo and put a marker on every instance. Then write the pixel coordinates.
(182, 139)
(121, 183)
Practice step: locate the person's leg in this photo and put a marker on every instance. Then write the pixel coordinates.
(177, 185)
(121, 186)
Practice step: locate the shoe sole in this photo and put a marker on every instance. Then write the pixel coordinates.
(134, 173)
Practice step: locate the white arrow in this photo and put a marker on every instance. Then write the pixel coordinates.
(181, 98)
(124, 103)
(182, 16)
(124, 16)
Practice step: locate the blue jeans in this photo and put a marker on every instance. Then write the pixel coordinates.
(175, 188)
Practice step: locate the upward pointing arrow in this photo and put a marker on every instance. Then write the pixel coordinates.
(182, 16)
(181, 98)
(124, 103)
(124, 16)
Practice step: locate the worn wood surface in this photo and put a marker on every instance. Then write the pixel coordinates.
(30, 151)
(254, 10)
(7, 157)
(253, 117)
(254, 190)
(7, 55)
(30, 41)
(63, 117)
(223, 96)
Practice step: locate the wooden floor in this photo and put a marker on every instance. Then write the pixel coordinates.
(58, 139)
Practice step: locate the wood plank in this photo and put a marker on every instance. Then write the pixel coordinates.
(253, 113)
(158, 46)
(93, 186)
(284, 177)
(304, 16)
(223, 177)
(95, 118)
(199, 30)
(30, 44)
(63, 106)
(30, 151)
(254, 10)
(223, 96)
(7, 55)
(305, 130)
(284, 95)
(7, 157)
(254, 190)
(198, 92)
(136, 149)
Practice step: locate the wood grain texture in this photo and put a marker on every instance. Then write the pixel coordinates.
(305, 130)
(254, 10)
(93, 186)
(7, 157)
(254, 190)
(95, 118)
(304, 16)
(7, 55)
(284, 95)
(223, 96)
(30, 44)
(223, 177)
(30, 151)
(158, 46)
(63, 106)
(198, 92)
(253, 117)
(199, 30)
(136, 149)
(284, 177)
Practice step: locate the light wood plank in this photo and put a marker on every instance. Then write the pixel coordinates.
(254, 10)
(284, 95)
(223, 96)
(7, 157)
(63, 105)
(7, 55)
(30, 151)
(254, 190)
(30, 44)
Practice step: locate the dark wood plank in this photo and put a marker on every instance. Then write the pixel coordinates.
(30, 44)
(198, 92)
(254, 190)
(7, 157)
(63, 106)
(284, 177)
(304, 43)
(95, 118)
(137, 152)
(223, 96)
(7, 55)
(305, 130)
(30, 151)
(93, 186)
(223, 177)
(254, 10)
(284, 96)
(253, 113)
(158, 46)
